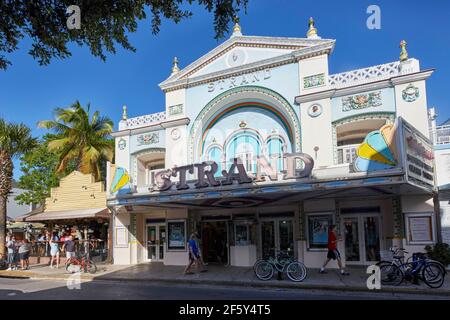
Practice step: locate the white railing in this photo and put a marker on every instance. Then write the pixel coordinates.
(440, 135)
(363, 75)
(347, 153)
(143, 121)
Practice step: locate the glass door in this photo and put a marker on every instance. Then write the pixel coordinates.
(351, 239)
(371, 238)
(286, 237)
(268, 239)
(156, 239)
(362, 240)
(151, 243)
(277, 235)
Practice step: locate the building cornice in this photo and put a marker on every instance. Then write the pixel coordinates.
(153, 127)
(325, 47)
(374, 85)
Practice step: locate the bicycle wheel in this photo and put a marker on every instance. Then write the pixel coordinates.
(91, 267)
(264, 270)
(296, 271)
(432, 275)
(391, 275)
(256, 263)
(73, 267)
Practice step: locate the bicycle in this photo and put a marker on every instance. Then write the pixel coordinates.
(419, 268)
(283, 263)
(76, 264)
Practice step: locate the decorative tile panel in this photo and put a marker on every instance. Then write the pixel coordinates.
(361, 101)
(175, 109)
(316, 80)
(410, 93)
(147, 139)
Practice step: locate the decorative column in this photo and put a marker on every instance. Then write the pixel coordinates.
(399, 228)
(301, 234)
(133, 237)
(300, 218)
(337, 216)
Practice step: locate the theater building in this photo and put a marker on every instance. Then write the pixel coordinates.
(259, 149)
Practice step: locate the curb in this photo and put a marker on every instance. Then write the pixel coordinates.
(235, 283)
(302, 286)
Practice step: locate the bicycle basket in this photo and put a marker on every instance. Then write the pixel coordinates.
(386, 255)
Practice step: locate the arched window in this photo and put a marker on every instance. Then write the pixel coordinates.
(215, 154)
(245, 146)
(275, 152)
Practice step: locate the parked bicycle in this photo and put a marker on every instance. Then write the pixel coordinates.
(417, 267)
(81, 263)
(3, 262)
(283, 263)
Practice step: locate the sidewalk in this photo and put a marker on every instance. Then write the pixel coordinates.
(230, 276)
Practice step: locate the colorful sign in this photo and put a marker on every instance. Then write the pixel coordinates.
(377, 152)
(120, 180)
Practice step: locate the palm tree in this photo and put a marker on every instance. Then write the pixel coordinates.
(15, 139)
(76, 138)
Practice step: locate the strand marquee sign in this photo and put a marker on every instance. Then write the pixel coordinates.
(206, 173)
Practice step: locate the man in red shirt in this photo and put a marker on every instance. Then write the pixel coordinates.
(333, 252)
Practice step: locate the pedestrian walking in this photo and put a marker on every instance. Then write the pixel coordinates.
(194, 256)
(333, 252)
(69, 248)
(200, 251)
(24, 254)
(54, 250)
(11, 250)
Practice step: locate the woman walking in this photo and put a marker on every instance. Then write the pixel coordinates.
(24, 254)
(54, 250)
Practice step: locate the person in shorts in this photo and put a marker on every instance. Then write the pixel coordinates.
(333, 252)
(24, 254)
(54, 250)
(194, 256)
(11, 258)
(69, 248)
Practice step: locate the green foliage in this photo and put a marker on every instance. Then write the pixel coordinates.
(439, 252)
(103, 23)
(39, 174)
(81, 138)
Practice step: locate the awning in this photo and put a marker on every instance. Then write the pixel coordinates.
(68, 215)
(33, 212)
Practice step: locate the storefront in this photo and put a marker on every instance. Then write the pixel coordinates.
(77, 208)
(260, 150)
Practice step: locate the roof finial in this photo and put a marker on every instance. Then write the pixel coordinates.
(175, 68)
(237, 31)
(124, 112)
(312, 31)
(403, 53)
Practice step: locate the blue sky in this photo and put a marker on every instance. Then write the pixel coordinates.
(29, 92)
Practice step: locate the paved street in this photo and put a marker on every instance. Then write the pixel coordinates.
(14, 289)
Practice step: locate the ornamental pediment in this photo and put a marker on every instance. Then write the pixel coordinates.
(244, 52)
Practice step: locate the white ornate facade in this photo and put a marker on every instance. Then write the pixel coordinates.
(272, 99)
